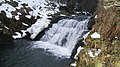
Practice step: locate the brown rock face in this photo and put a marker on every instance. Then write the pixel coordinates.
(108, 22)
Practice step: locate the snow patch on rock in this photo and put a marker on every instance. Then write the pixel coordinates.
(6, 27)
(25, 24)
(36, 28)
(19, 13)
(28, 16)
(7, 9)
(96, 17)
(95, 35)
(78, 51)
(62, 15)
(19, 35)
(17, 17)
(23, 33)
(74, 64)
(94, 52)
(116, 37)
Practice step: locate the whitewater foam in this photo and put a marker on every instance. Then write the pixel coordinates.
(61, 39)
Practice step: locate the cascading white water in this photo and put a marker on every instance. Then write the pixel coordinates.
(63, 36)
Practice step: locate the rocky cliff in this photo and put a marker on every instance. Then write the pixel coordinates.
(103, 41)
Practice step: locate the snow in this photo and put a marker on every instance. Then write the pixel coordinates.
(25, 24)
(1, 0)
(37, 6)
(7, 9)
(43, 22)
(36, 28)
(19, 13)
(116, 37)
(74, 64)
(86, 35)
(62, 15)
(78, 12)
(9, 15)
(94, 52)
(78, 51)
(95, 35)
(18, 7)
(17, 36)
(63, 4)
(6, 27)
(96, 17)
(28, 16)
(24, 33)
(17, 17)
(85, 13)
(72, 15)
(40, 8)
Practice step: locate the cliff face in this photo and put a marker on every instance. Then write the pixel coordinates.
(103, 41)
(108, 21)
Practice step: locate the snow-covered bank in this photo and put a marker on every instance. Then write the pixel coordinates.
(39, 8)
(38, 27)
(43, 13)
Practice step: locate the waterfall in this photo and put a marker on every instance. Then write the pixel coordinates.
(61, 39)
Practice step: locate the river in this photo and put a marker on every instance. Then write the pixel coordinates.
(52, 50)
(22, 55)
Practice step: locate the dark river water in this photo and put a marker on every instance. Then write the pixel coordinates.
(22, 55)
